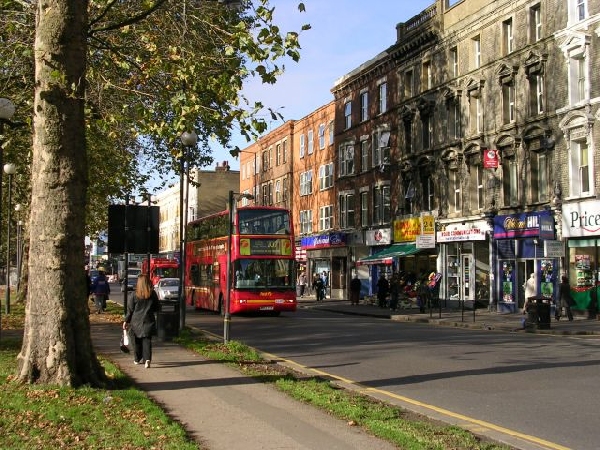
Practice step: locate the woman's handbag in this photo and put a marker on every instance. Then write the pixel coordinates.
(125, 342)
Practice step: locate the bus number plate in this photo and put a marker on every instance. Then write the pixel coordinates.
(266, 308)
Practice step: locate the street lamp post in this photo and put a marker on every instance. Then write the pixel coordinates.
(10, 170)
(188, 139)
(227, 313)
(19, 245)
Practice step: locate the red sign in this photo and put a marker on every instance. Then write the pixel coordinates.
(490, 159)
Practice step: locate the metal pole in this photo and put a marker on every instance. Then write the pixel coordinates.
(183, 255)
(1, 170)
(148, 255)
(227, 315)
(181, 268)
(126, 259)
(19, 252)
(8, 247)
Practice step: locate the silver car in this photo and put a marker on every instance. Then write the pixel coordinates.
(167, 288)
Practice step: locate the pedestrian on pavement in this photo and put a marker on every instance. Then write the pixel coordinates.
(141, 310)
(302, 283)
(383, 288)
(315, 278)
(530, 290)
(100, 289)
(320, 289)
(355, 286)
(325, 279)
(565, 300)
(394, 291)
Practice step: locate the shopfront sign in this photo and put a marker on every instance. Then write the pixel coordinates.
(518, 225)
(490, 159)
(425, 241)
(581, 219)
(453, 232)
(407, 230)
(379, 236)
(554, 249)
(324, 241)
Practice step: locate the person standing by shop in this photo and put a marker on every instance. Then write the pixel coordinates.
(355, 286)
(530, 290)
(564, 299)
(302, 283)
(383, 288)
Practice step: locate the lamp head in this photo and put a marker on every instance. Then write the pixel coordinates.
(10, 169)
(189, 138)
(7, 109)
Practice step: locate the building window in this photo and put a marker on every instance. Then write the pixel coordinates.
(321, 137)
(278, 191)
(454, 116)
(381, 148)
(426, 76)
(454, 61)
(326, 176)
(306, 183)
(286, 189)
(364, 106)
(428, 193)
(347, 115)
(346, 159)
(325, 217)
(346, 202)
(331, 133)
(285, 152)
(381, 205)
(311, 142)
(382, 98)
(270, 192)
(302, 145)
(265, 194)
(364, 208)
(408, 84)
(427, 129)
(535, 23)
(364, 156)
(577, 10)
(477, 198)
(539, 177)
(536, 94)
(581, 168)
(306, 221)
(476, 52)
(278, 154)
(509, 181)
(265, 161)
(507, 36)
(409, 196)
(508, 102)
(455, 180)
(408, 136)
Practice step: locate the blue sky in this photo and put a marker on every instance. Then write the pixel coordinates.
(344, 34)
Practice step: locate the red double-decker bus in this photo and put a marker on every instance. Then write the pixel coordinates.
(262, 261)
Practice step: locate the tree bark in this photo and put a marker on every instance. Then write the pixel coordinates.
(57, 347)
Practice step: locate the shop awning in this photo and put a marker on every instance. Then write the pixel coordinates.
(385, 256)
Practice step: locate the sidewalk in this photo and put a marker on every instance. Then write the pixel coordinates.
(223, 409)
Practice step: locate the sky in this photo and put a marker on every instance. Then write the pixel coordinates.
(343, 35)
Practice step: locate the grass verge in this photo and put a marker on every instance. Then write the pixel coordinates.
(405, 429)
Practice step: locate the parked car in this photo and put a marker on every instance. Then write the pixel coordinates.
(167, 288)
(131, 281)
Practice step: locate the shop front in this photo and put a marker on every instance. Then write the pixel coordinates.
(581, 230)
(521, 248)
(327, 256)
(464, 251)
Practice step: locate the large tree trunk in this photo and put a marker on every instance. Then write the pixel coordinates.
(57, 347)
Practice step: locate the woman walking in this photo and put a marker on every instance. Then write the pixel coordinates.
(564, 299)
(141, 318)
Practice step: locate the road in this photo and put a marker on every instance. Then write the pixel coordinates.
(543, 388)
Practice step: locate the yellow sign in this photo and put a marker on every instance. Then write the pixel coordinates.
(428, 223)
(407, 230)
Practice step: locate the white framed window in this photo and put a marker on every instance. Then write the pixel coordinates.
(311, 142)
(306, 183)
(426, 76)
(508, 102)
(535, 23)
(306, 221)
(507, 36)
(381, 147)
(577, 11)
(381, 205)
(364, 155)
(455, 181)
(454, 118)
(346, 208)
(348, 115)
(476, 52)
(265, 161)
(325, 217)
(408, 84)
(475, 115)
(476, 194)
(286, 189)
(364, 106)
(285, 151)
(364, 208)
(278, 193)
(302, 145)
(382, 97)
(581, 161)
(536, 93)
(428, 193)
(278, 155)
(509, 181)
(540, 187)
(326, 176)
(331, 134)
(454, 61)
(321, 136)
(346, 159)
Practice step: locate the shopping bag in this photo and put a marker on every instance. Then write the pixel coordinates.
(125, 342)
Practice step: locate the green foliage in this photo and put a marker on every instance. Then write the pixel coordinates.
(155, 69)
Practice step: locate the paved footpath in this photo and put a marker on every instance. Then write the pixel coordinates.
(225, 410)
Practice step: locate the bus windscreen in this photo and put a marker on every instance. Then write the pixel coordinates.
(263, 273)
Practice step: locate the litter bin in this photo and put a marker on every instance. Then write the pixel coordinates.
(538, 313)
(167, 320)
